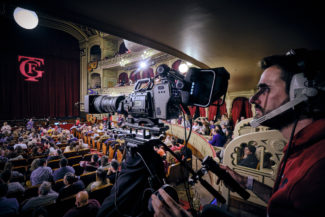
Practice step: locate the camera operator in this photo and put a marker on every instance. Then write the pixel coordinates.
(299, 187)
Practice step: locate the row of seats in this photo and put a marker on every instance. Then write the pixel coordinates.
(101, 147)
(32, 191)
(61, 207)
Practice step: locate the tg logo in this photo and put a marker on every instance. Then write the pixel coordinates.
(29, 67)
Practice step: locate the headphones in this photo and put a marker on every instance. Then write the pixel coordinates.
(304, 86)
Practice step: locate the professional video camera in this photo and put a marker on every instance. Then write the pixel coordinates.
(142, 171)
(200, 87)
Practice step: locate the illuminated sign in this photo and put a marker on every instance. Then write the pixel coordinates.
(30, 67)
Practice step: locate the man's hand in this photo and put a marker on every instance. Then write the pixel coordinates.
(168, 207)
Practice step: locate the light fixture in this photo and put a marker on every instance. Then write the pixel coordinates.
(143, 65)
(183, 68)
(25, 18)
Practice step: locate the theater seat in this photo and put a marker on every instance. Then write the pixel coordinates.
(78, 169)
(74, 160)
(53, 164)
(88, 178)
(101, 193)
(58, 185)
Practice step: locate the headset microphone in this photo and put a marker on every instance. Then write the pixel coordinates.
(298, 93)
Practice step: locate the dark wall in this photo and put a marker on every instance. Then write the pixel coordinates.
(55, 93)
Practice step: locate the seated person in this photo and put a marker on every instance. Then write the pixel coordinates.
(82, 145)
(113, 171)
(101, 180)
(72, 186)
(8, 206)
(249, 160)
(186, 153)
(84, 207)
(160, 150)
(14, 174)
(217, 138)
(71, 147)
(45, 196)
(42, 173)
(20, 144)
(91, 165)
(57, 154)
(13, 187)
(104, 162)
(64, 168)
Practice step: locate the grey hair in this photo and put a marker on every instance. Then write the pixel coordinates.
(45, 188)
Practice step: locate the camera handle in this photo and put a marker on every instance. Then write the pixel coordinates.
(204, 183)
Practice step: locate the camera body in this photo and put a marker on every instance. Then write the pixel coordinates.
(200, 87)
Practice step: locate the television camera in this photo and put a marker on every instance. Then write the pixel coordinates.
(149, 103)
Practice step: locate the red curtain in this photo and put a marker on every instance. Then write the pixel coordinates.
(135, 75)
(248, 109)
(123, 77)
(192, 110)
(148, 73)
(202, 112)
(213, 109)
(176, 64)
(240, 107)
(57, 91)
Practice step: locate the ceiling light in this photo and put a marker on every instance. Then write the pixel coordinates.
(183, 68)
(143, 65)
(25, 18)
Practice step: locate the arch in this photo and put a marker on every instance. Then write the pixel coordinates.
(176, 64)
(148, 73)
(240, 108)
(95, 53)
(135, 75)
(123, 77)
(95, 80)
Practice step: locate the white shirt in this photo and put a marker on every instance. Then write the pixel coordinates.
(23, 146)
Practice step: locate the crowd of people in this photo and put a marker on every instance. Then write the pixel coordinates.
(38, 145)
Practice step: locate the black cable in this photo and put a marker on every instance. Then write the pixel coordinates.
(285, 158)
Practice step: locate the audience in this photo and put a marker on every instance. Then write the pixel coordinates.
(42, 173)
(113, 171)
(64, 168)
(72, 186)
(45, 196)
(13, 187)
(92, 165)
(217, 138)
(249, 159)
(84, 207)
(104, 162)
(8, 206)
(101, 180)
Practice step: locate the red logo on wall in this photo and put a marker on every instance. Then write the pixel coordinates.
(30, 67)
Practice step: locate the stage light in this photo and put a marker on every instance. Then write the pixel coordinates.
(143, 65)
(183, 68)
(25, 18)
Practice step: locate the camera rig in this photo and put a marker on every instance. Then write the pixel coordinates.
(146, 107)
(138, 146)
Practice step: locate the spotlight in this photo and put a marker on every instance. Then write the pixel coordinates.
(143, 65)
(183, 68)
(25, 18)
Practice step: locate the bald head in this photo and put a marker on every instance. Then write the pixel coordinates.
(82, 199)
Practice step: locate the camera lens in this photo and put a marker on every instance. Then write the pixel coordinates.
(107, 104)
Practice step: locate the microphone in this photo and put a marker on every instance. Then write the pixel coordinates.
(305, 94)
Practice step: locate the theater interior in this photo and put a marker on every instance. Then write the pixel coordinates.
(82, 48)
